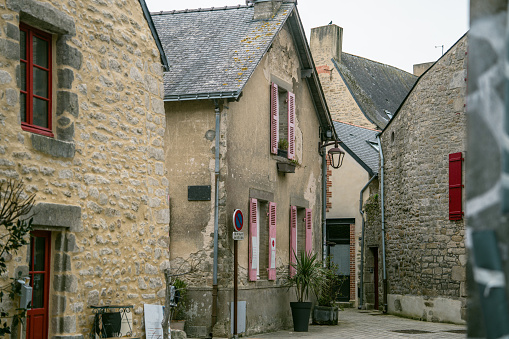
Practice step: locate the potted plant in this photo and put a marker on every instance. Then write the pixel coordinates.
(282, 148)
(178, 316)
(307, 278)
(326, 312)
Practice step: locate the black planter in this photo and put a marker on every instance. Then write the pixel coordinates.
(300, 315)
(325, 315)
(111, 324)
(282, 153)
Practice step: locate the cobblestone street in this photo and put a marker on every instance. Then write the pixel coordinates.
(367, 324)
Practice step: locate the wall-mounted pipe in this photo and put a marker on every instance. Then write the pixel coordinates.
(361, 301)
(216, 216)
(383, 220)
(324, 207)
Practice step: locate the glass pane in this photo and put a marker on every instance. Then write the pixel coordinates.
(22, 45)
(40, 82)
(40, 52)
(40, 113)
(39, 250)
(23, 76)
(38, 291)
(23, 107)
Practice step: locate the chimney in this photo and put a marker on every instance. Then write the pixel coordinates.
(265, 9)
(326, 42)
(421, 68)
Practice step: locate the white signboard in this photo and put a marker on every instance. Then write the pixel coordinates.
(272, 252)
(153, 320)
(254, 241)
(238, 235)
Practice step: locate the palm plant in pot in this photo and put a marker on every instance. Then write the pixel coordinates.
(326, 312)
(307, 278)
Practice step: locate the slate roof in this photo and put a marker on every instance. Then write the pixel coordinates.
(377, 88)
(356, 142)
(213, 52)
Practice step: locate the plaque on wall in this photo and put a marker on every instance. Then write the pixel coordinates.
(198, 193)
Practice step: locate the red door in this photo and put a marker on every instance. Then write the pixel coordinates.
(37, 316)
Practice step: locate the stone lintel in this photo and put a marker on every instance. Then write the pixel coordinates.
(261, 195)
(299, 202)
(57, 215)
(43, 16)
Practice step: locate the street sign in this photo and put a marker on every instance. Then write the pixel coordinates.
(238, 220)
(238, 235)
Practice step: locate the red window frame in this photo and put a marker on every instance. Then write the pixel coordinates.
(28, 124)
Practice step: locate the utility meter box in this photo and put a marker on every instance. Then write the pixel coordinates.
(26, 296)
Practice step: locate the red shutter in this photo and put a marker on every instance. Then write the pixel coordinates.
(293, 238)
(253, 239)
(291, 126)
(272, 241)
(274, 122)
(455, 186)
(309, 231)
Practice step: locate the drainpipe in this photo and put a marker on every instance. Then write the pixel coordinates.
(361, 301)
(324, 208)
(383, 220)
(216, 217)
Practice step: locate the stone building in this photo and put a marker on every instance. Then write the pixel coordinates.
(82, 124)
(363, 94)
(245, 115)
(423, 148)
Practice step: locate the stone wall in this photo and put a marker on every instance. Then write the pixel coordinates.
(105, 166)
(426, 254)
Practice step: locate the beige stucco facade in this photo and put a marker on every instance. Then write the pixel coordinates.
(100, 183)
(247, 170)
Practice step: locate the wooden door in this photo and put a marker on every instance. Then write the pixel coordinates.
(37, 316)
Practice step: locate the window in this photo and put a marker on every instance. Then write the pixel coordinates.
(35, 92)
(301, 233)
(282, 122)
(455, 186)
(262, 240)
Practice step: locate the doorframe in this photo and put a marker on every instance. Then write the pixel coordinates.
(47, 263)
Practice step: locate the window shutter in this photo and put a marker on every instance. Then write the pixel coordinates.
(253, 239)
(309, 231)
(293, 238)
(291, 125)
(455, 186)
(272, 241)
(274, 122)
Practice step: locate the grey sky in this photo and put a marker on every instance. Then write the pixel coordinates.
(399, 33)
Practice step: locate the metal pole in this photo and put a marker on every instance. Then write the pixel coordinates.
(216, 216)
(235, 287)
(324, 207)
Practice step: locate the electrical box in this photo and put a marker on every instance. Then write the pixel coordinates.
(26, 296)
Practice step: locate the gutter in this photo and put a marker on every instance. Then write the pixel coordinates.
(216, 217)
(202, 96)
(383, 221)
(362, 239)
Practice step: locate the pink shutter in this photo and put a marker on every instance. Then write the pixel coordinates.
(293, 238)
(291, 126)
(253, 239)
(274, 122)
(455, 186)
(272, 241)
(309, 231)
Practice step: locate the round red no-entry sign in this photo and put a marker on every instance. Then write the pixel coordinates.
(238, 220)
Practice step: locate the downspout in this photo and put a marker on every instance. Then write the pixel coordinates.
(361, 301)
(383, 220)
(216, 217)
(324, 208)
